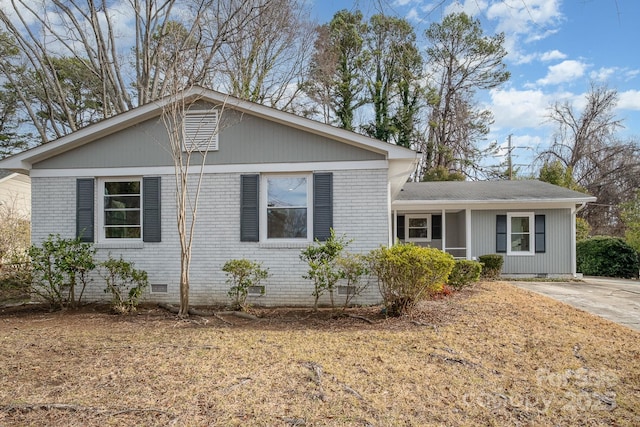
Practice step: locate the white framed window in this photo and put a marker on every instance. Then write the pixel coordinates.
(520, 233)
(201, 131)
(417, 228)
(286, 207)
(120, 209)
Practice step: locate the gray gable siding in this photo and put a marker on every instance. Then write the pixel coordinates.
(555, 260)
(244, 139)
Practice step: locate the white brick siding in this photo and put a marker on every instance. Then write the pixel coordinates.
(360, 212)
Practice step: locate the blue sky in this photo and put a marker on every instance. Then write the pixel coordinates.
(557, 48)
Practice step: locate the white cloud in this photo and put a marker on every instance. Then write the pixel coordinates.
(629, 100)
(565, 71)
(522, 58)
(552, 55)
(413, 15)
(525, 17)
(603, 74)
(470, 7)
(515, 109)
(404, 2)
(631, 74)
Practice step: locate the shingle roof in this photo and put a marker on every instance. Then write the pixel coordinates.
(5, 173)
(461, 191)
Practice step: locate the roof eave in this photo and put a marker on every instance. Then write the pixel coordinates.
(492, 204)
(23, 161)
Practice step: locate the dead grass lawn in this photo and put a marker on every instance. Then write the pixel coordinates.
(494, 355)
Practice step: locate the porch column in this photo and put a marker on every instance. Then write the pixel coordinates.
(467, 231)
(444, 231)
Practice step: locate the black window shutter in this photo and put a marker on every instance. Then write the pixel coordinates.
(84, 209)
(400, 227)
(501, 233)
(322, 205)
(540, 234)
(249, 214)
(151, 220)
(436, 227)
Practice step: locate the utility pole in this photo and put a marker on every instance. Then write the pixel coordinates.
(509, 157)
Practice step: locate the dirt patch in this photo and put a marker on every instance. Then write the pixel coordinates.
(494, 355)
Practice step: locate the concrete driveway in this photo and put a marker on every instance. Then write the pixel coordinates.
(617, 300)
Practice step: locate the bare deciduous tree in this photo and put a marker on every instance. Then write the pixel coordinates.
(587, 144)
(189, 147)
(119, 71)
(266, 61)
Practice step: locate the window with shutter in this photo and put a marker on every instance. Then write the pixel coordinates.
(286, 207)
(519, 233)
(128, 209)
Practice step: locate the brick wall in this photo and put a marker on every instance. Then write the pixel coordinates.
(360, 212)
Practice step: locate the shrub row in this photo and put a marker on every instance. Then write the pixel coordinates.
(61, 269)
(607, 256)
(406, 273)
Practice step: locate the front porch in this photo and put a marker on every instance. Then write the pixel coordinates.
(446, 229)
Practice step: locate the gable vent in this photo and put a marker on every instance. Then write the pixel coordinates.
(201, 131)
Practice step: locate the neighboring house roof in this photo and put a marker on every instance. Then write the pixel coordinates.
(401, 160)
(5, 174)
(488, 193)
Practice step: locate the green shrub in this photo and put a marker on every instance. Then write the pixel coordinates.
(491, 265)
(323, 270)
(607, 256)
(583, 229)
(241, 275)
(58, 267)
(408, 274)
(464, 273)
(352, 267)
(124, 283)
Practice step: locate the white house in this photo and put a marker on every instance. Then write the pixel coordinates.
(15, 193)
(273, 182)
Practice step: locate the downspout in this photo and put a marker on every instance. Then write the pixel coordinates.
(467, 230)
(574, 212)
(393, 221)
(394, 227)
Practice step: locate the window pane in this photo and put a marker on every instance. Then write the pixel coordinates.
(121, 202)
(520, 224)
(122, 213)
(122, 232)
(520, 243)
(122, 187)
(418, 223)
(122, 217)
(287, 192)
(417, 233)
(286, 223)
